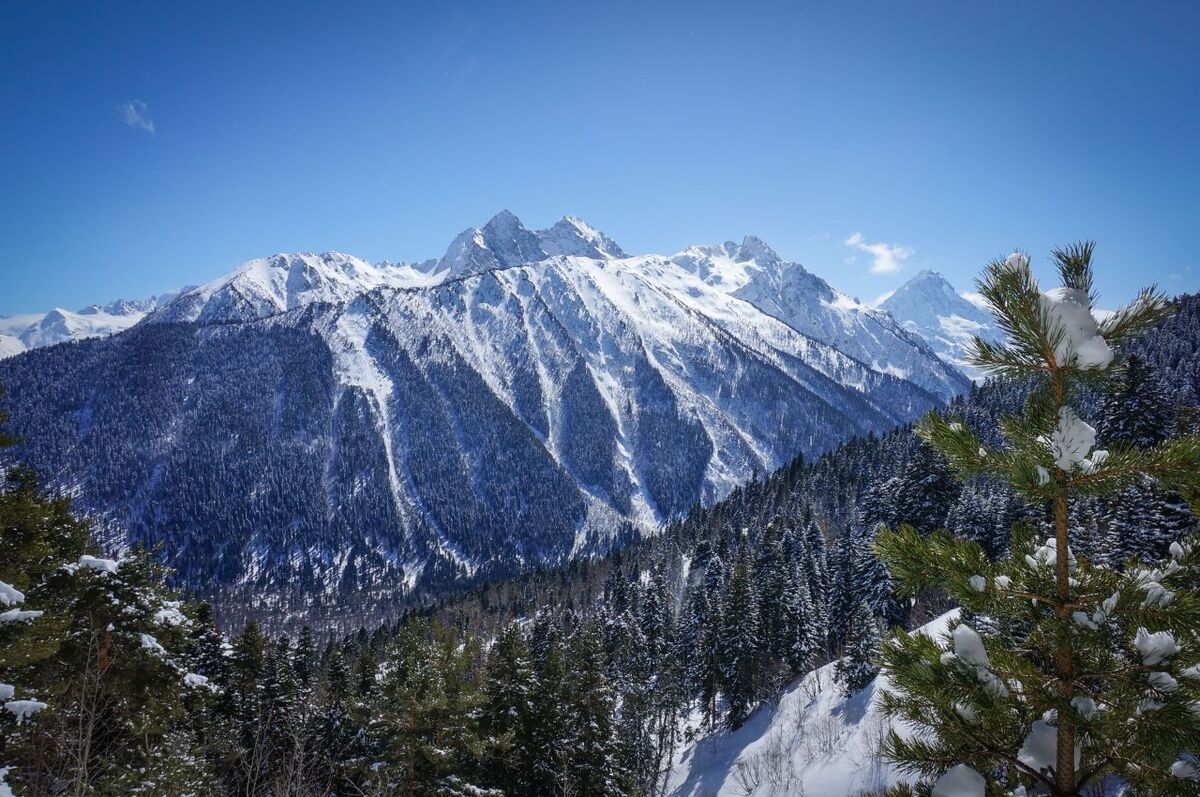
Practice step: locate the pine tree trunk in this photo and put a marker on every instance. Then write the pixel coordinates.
(1064, 769)
(1064, 665)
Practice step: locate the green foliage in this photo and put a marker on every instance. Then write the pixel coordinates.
(1083, 672)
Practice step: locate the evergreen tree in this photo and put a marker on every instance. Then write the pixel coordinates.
(1083, 678)
(739, 652)
(591, 706)
(857, 666)
(508, 690)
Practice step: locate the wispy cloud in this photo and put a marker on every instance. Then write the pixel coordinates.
(885, 258)
(136, 114)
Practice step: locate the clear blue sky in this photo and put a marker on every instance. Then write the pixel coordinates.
(954, 130)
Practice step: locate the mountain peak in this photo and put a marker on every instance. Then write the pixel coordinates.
(754, 248)
(505, 220)
(502, 242)
(572, 236)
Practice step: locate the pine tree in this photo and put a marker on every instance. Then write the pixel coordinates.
(857, 666)
(591, 706)
(739, 653)
(802, 635)
(1083, 678)
(508, 690)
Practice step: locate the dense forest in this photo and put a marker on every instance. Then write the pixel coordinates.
(578, 680)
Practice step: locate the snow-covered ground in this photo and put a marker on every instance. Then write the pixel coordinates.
(814, 742)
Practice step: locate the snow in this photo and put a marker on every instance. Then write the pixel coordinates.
(961, 781)
(1070, 322)
(929, 307)
(1162, 681)
(1155, 648)
(1046, 555)
(1085, 706)
(1185, 770)
(978, 583)
(22, 709)
(5, 791)
(814, 741)
(1017, 260)
(95, 563)
(19, 616)
(1071, 441)
(20, 333)
(7, 691)
(10, 595)
(151, 644)
(968, 646)
(196, 681)
(1040, 748)
(170, 614)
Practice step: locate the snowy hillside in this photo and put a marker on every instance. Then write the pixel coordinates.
(928, 306)
(20, 333)
(815, 741)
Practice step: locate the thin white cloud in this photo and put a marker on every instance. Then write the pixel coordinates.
(136, 114)
(883, 297)
(885, 258)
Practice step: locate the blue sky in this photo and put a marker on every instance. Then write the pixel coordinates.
(150, 145)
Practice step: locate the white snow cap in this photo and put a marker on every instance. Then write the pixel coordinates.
(1071, 441)
(1186, 770)
(1069, 313)
(94, 563)
(151, 644)
(1040, 749)
(968, 646)
(23, 708)
(170, 614)
(19, 615)
(1155, 648)
(961, 781)
(7, 691)
(1017, 260)
(978, 583)
(11, 596)
(1048, 555)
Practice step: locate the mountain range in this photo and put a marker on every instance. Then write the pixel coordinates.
(314, 425)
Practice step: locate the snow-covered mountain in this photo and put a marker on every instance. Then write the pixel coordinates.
(928, 306)
(20, 333)
(814, 741)
(754, 272)
(313, 424)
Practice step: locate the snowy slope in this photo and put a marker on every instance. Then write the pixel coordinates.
(816, 742)
(19, 333)
(785, 290)
(271, 285)
(928, 306)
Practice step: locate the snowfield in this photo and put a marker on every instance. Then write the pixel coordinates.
(814, 742)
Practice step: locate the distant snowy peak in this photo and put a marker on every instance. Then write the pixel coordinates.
(503, 242)
(30, 331)
(929, 306)
(576, 238)
(753, 272)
